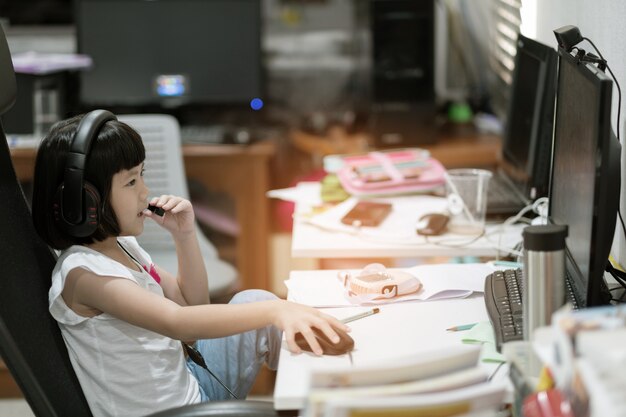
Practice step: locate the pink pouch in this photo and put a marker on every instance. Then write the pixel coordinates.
(391, 172)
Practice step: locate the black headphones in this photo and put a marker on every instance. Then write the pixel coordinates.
(77, 205)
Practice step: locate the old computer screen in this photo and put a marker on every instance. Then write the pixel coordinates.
(170, 52)
(528, 133)
(582, 169)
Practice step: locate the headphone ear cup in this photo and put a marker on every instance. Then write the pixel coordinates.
(93, 207)
(90, 216)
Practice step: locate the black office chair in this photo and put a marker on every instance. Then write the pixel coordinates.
(30, 340)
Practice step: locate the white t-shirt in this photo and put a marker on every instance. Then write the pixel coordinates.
(124, 370)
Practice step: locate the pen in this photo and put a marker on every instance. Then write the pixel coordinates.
(461, 327)
(507, 264)
(360, 315)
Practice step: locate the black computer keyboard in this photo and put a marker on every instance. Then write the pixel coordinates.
(214, 135)
(502, 197)
(503, 299)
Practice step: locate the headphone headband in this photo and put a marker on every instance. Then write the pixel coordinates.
(73, 210)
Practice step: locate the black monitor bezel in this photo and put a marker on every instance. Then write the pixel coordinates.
(591, 290)
(170, 104)
(532, 179)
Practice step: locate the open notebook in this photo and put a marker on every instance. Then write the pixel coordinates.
(439, 281)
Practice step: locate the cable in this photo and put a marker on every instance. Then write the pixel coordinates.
(196, 356)
(495, 371)
(620, 278)
(621, 220)
(471, 240)
(455, 241)
(619, 90)
(619, 110)
(604, 63)
(537, 207)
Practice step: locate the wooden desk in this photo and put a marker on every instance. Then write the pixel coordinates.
(453, 150)
(8, 386)
(469, 150)
(243, 172)
(336, 241)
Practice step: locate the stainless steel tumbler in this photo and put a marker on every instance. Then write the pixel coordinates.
(543, 289)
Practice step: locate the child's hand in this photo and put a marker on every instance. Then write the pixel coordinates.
(178, 218)
(293, 318)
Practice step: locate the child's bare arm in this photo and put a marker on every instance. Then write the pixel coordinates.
(190, 287)
(127, 301)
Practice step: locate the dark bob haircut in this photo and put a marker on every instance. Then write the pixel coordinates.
(116, 148)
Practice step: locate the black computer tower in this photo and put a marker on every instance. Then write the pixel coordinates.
(403, 82)
(40, 102)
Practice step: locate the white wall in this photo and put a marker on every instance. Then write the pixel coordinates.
(602, 21)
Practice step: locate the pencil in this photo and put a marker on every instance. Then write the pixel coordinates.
(461, 327)
(360, 315)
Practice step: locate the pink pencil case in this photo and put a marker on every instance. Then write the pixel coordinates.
(391, 172)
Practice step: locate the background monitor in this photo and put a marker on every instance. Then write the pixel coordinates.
(170, 53)
(527, 140)
(585, 182)
(37, 12)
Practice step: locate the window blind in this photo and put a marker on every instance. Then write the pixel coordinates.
(507, 21)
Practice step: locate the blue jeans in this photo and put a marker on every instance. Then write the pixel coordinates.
(237, 359)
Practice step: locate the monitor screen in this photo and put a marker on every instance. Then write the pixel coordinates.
(37, 12)
(528, 134)
(582, 168)
(170, 52)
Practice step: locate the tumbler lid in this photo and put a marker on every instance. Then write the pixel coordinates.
(549, 237)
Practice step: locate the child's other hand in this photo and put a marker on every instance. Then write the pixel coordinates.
(178, 218)
(293, 318)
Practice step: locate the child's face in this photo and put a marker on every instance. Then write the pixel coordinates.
(129, 197)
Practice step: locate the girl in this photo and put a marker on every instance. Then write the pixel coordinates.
(121, 316)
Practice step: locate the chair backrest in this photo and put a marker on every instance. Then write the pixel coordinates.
(165, 174)
(30, 340)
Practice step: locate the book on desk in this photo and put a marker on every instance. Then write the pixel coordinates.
(404, 351)
(447, 380)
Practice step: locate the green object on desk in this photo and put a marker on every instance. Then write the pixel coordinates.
(460, 113)
(507, 264)
(482, 333)
(332, 191)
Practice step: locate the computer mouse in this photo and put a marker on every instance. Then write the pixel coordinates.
(242, 136)
(238, 136)
(345, 344)
(432, 224)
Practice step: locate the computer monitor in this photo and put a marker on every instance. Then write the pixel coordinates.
(527, 139)
(27, 13)
(170, 53)
(585, 182)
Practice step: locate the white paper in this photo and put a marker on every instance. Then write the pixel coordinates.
(485, 396)
(44, 63)
(305, 193)
(439, 281)
(399, 228)
(399, 224)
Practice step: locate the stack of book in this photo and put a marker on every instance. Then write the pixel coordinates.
(589, 359)
(448, 382)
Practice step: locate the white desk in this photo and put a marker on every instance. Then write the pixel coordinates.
(311, 241)
(399, 330)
